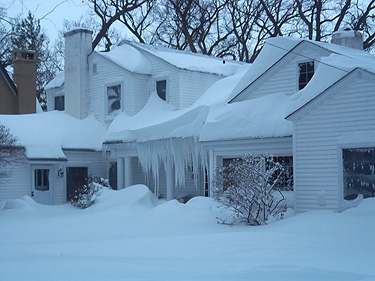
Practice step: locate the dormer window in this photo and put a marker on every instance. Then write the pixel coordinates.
(306, 72)
(161, 89)
(113, 99)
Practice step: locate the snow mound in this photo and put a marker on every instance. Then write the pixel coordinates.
(201, 202)
(135, 197)
(23, 203)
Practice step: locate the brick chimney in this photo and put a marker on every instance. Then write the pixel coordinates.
(76, 88)
(24, 76)
(349, 38)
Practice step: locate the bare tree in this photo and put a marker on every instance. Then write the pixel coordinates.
(110, 11)
(10, 153)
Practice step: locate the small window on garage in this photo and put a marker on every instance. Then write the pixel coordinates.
(359, 172)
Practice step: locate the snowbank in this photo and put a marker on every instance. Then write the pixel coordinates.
(130, 235)
(255, 118)
(157, 120)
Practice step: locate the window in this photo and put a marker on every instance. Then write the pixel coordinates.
(306, 72)
(113, 99)
(94, 68)
(59, 103)
(41, 178)
(286, 180)
(161, 89)
(359, 172)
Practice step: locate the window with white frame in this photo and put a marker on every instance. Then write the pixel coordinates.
(161, 89)
(306, 72)
(113, 99)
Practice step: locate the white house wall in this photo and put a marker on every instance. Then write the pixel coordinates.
(194, 85)
(317, 157)
(18, 183)
(51, 94)
(284, 75)
(162, 70)
(98, 166)
(220, 150)
(134, 87)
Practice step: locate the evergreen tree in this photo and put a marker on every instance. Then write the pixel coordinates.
(27, 35)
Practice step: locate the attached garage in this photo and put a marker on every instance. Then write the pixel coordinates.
(334, 142)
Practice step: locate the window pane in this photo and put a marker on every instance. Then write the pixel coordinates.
(59, 103)
(113, 99)
(359, 172)
(306, 72)
(161, 89)
(41, 179)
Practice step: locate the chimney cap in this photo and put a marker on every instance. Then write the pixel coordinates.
(24, 55)
(78, 30)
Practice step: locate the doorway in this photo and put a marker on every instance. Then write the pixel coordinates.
(41, 190)
(75, 177)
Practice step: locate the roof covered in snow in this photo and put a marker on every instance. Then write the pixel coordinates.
(56, 82)
(44, 135)
(341, 61)
(212, 118)
(190, 61)
(129, 58)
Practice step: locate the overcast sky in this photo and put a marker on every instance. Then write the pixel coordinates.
(51, 12)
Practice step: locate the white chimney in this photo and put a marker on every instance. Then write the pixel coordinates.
(78, 46)
(349, 38)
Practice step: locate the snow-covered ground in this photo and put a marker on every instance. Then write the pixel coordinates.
(130, 235)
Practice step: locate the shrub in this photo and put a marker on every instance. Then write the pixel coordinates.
(246, 188)
(86, 194)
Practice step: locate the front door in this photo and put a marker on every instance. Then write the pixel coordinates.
(42, 184)
(75, 177)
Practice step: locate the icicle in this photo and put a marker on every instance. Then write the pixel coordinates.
(183, 153)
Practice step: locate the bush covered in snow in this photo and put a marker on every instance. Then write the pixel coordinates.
(246, 189)
(85, 195)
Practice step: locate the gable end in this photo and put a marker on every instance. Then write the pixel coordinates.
(328, 92)
(274, 68)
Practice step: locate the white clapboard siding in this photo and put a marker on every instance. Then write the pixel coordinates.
(135, 88)
(194, 85)
(316, 157)
(18, 183)
(163, 70)
(51, 94)
(97, 166)
(284, 75)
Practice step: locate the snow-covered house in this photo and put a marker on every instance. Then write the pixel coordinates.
(327, 92)
(96, 89)
(168, 119)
